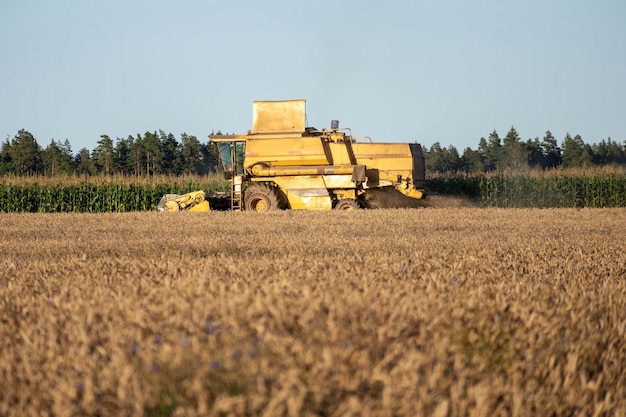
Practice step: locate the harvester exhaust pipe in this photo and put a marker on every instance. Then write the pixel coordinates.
(334, 125)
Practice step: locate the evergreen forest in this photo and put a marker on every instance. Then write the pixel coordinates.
(160, 153)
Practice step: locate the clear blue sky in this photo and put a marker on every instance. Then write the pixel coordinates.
(397, 70)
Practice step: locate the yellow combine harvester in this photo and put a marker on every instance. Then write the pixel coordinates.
(286, 164)
(283, 164)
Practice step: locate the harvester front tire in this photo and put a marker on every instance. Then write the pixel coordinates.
(259, 197)
(347, 204)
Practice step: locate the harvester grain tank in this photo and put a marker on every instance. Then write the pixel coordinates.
(283, 164)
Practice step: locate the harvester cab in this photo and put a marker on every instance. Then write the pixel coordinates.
(231, 155)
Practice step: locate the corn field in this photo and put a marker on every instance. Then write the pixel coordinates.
(96, 194)
(105, 194)
(390, 312)
(554, 189)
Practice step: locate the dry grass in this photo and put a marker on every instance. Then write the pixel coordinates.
(433, 312)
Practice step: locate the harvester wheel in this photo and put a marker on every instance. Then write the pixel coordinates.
(347, 204)
(199, 198)
(259, 197)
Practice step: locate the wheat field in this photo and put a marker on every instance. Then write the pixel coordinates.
(391, 312)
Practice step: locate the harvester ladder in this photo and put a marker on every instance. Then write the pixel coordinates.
(236, 193)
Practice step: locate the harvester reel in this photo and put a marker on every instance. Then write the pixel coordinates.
(171, 206)
(260, 197)
(347, 204)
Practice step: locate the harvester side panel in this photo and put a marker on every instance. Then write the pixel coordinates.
(287, 151)
(307, 192)
(385, 162)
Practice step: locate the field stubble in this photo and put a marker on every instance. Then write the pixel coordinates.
(438, 312)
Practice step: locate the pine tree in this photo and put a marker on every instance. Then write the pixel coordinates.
(472, 161)
(56, 159)
(172, 154)
(26, 154)
(515, 153)
(551, 151)
(191, 152)
(576, 153)
(535, 153)
(103, 155)
(493, 151)
(6, 161)
(136, 155)
(153, 153)
(121, 159)
(84, 164)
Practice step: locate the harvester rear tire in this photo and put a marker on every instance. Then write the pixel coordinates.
(260, 197)
(347, 204)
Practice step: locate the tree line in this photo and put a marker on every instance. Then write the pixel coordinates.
(160, 153)
(141, 155)
(511, 153)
